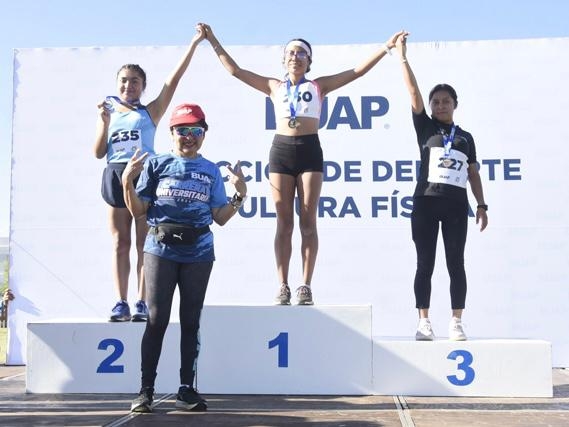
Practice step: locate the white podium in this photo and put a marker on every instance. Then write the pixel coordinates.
(93, 356)
(244, 349)
(285, 350)
(477, 367)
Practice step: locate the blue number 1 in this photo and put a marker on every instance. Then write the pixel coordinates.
(464, 366)
(281, 341)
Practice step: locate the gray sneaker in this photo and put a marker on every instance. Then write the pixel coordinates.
(283, 297)
(304, 295)
(143, 402)
(424, 331)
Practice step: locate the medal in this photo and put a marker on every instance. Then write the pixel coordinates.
(109, 103)
(292, 123)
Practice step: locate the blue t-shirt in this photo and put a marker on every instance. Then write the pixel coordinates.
(183, 191)
(128, 131)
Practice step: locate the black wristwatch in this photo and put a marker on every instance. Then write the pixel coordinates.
(485, 207)
(237, 200)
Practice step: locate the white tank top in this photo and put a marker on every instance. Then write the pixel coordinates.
(309, 100)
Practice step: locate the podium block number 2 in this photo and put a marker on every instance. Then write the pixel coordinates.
(281, 342)
(464, 366)
(106, 366)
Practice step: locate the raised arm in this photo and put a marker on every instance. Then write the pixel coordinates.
(135, 205)
(261, 83)
(417, 103)
(158, 107)
(225, 213)
(333, 82)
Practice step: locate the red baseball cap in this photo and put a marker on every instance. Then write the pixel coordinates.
(186, 114)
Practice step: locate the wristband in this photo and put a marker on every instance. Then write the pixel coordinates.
(485, 207)
(237, 201)
(387, 49)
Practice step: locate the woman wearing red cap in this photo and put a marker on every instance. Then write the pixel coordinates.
(124, 125)
(180, 194)
(295, 161)
(448, 162)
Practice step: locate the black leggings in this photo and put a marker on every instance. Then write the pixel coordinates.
(453, 215)
(161, 276)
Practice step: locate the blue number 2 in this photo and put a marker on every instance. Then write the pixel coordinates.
(463, 366)
(106, 366)
(281, 341)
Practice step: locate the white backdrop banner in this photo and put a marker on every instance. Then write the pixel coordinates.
(509, 100)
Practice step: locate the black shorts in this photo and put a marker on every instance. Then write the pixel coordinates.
(292, 155)
(111, 185)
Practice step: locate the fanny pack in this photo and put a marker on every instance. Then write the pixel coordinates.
(177, 234)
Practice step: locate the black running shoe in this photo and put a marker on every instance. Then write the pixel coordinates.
(190, 400)
(143, 403)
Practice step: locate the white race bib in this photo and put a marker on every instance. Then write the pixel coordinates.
(451, 169)
(126, 140)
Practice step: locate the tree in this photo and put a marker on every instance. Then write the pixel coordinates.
(4, 278)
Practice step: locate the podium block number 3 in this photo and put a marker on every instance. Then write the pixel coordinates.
(464, 366)
(106, 366)
(281, 342)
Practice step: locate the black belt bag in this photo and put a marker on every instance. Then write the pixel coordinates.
(177, 234)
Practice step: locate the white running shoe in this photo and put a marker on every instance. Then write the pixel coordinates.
(424, 331)
(455, 330)
(304, 295)
(283, 297)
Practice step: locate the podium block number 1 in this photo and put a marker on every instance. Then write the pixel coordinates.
(281, 341)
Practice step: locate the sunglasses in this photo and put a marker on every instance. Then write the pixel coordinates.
(298, 53)
(194, 132)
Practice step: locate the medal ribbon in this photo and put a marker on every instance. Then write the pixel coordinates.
(112, 101)
(293, 99)
(448, 139)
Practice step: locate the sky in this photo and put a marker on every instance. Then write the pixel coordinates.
(69, 23)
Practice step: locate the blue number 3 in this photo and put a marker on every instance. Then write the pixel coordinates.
(463, 366)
